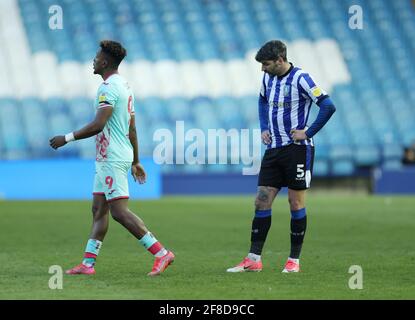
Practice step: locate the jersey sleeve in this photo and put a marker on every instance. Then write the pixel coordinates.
(107, 96)
(309, 88)
(263, 88)
(132, 108)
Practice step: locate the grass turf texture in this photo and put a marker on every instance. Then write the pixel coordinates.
(208, 235)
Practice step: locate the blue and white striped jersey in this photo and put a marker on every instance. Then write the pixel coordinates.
(287, 100)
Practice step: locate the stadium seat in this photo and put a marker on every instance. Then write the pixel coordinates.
(366, 155)
(392, 164)
(178, 109)
(81, 110)
(392, 152)
(321, 168)
(13, 138)
(341, 152)
(194, 61)
(342, 168)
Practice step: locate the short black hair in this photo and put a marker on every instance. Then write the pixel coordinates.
(272, 50)
(114, 50)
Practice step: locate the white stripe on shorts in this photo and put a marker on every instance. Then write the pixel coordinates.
(307, 178)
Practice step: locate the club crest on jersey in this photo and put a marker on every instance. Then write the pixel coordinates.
(287, 90)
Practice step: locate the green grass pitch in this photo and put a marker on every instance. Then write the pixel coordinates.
(208, 235)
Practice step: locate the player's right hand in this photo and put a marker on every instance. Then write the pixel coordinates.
(57, 142)
(266, 137)
(138, 173)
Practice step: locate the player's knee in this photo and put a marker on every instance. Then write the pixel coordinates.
(117, 215)
(95, 210)
(262, 204)
(263, 199)
(295, 204)
(99, 211)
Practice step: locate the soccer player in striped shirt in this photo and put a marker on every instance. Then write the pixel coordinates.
(116, 153)
(286, 96)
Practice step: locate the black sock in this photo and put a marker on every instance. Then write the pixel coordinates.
(260, 227)
(298, 228)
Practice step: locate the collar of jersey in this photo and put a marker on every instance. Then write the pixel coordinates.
(287, 73)
(107, 80)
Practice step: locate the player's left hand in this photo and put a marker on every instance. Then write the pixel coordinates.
(57, 142)
(298, 135)
(138, 172)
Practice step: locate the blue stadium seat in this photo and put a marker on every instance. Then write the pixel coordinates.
(392, 152)
(37, 129)
(340, 152)
(248, 107)
(13, 137)
(375, 112)
(366, 155)
(81, 110)
(322, 152)
(321, 168)
(228, 112)
(342, 168)
(392, 164)
(154, 108)
(178, 109)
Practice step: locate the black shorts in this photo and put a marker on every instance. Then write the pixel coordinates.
(290, 166)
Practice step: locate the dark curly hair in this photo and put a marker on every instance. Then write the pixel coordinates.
(272, 50)
(114, 51)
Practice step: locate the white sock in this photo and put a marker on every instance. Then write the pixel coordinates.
(254, 257)
(161, 253)
(297, 261)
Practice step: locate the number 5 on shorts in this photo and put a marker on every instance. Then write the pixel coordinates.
(300, 171)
